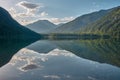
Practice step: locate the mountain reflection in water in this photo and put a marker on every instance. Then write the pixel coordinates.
(9, 47)
(65, 60)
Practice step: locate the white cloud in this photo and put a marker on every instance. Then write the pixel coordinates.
(61, 20)
(12, 11)
(28, 16)
(51, 19)
(52, 76)
(55, 20)
(20, 17)
(25, 22)
(30, 7)
(32, 14)
(43, 14)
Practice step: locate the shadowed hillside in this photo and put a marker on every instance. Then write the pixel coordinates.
(9, 28)
(10, 47)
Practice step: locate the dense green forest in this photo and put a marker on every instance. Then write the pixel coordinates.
(109, 25)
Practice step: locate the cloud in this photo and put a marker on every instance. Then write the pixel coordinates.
(43, 14)
(28, 5)
(25, 21)
(52, 76)
(12, 11)
(54, 20)
(51, 19)
(21, 17)
(31, 13)
(61, 20)
(27, 18)
(31, 8)
(28, 67)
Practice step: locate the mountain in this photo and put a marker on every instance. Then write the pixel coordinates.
(100, 50)
(81, 21)
(9, 28)
(41, 26)
(8, 48)
(109, 24)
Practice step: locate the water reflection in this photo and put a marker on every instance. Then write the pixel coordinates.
(56, 65)
(65, 60)
(103, 51)
(9, 47)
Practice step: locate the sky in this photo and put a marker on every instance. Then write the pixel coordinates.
(56, 11)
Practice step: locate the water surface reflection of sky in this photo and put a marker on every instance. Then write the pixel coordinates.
(34, 63)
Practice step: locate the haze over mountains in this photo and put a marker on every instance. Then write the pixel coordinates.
(100, 22)
(41, 26)
(81, 21)
(9, 28)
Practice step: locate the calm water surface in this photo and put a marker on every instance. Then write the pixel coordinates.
(60, 60)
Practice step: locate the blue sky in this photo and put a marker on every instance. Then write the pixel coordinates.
(56, 11)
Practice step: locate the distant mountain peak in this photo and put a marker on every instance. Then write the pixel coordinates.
(42, 26)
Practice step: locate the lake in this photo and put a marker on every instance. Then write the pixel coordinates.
(97, 59)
